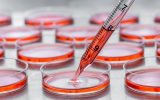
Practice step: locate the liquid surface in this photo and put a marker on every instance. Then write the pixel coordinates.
(45, 53)
(101, 17)
(145, 33)
(12, 34)
(140, 30)
(11, 80)
(77, 33)
(88, 82)
(120, 52)
(146, 80)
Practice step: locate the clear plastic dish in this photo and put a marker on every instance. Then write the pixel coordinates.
(145, 77)
(59, 81)
(118, 53)
(12, 34)
(12, 75)
(47, 18)
(101, 17)
(137, 33)
(76, 35)
(39, 53)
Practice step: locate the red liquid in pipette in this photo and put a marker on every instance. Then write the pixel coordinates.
(93, 50)
(103, 35)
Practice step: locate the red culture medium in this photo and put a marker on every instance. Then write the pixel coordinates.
(76, 35)
(119, 53)
(42, 53)
(48, 20)
(12, 80)
(88, 82)
(145, 80)
(26, 34)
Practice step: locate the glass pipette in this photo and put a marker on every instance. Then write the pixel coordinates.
(103, 35)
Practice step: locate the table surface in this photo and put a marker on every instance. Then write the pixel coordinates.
(81, 11)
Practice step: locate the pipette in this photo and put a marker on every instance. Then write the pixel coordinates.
(103, 35)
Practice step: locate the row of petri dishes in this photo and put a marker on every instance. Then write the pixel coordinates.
(48, 18)
(141, 76)
(130, 29)
(58, 61)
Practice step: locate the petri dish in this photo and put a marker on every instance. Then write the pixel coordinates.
(12, 34)
(40, 53)
(59, 81)
(12, 78)
(101, 17)
(144, 78)
(5, 19)
(140, 33)
(77, 35)
(119, 53)
(47, 18)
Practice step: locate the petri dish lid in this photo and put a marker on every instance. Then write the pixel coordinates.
(12, 34)
(42, 53)
(101, 17)
(76, 34)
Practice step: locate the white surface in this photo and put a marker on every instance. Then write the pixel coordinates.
(81, 11)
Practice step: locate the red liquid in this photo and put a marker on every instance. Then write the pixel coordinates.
(89, 82)
(5, 20)
(12, 34)
(76, 34)
(120, 53)
(138, 33)
(48, 20)
(146, 80)
(101, 17)
(42, 53)
(12, 80)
